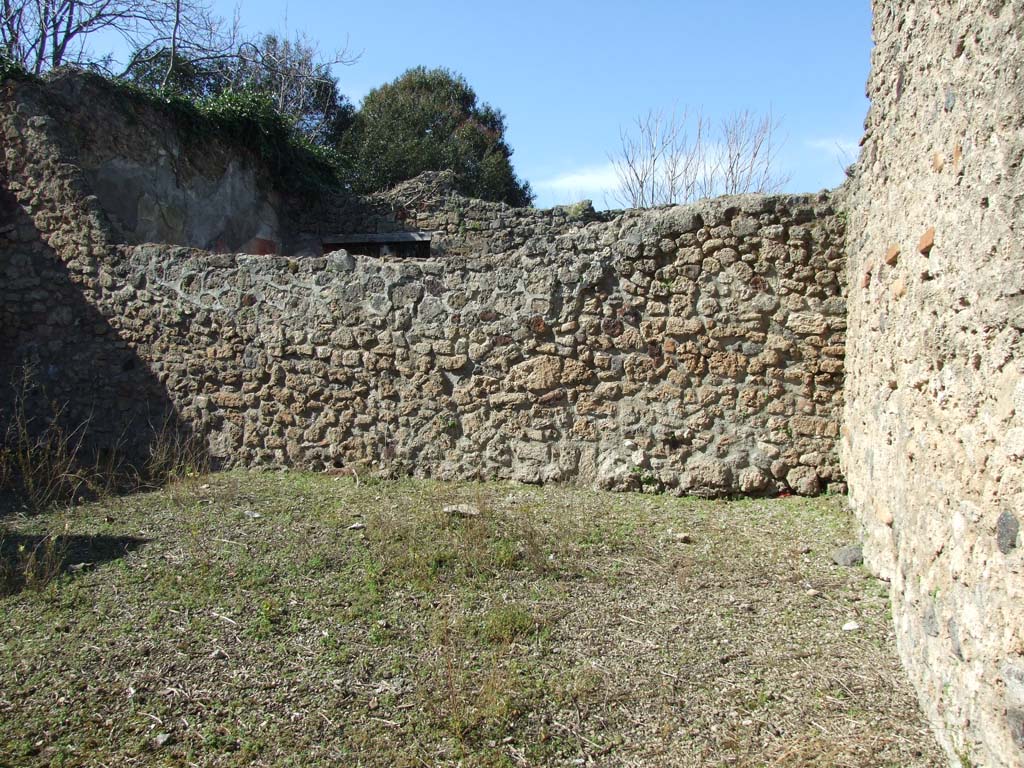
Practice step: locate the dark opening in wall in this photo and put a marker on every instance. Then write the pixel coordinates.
(399, 244)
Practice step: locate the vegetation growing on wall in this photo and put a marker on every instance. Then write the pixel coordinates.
(290, 72)
(247, 118)
(277, 95)
(427, 120)
(251, 118)
(9, 68)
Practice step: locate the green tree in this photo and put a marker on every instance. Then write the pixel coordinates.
(289, 72)
(429, 120)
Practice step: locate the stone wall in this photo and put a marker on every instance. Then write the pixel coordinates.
(933, 441)
(60, 358)
(157, 176)
(697, 349)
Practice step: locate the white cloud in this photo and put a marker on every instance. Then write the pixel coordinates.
(589, 177)
(842, 148)
(594, 182)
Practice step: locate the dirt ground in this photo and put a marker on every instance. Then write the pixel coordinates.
(306, 620)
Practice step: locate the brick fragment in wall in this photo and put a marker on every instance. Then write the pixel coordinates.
(927, 242)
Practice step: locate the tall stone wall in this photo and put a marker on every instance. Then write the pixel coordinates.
(60, 358)
(697, 349)
(933, 440)
(157, 174)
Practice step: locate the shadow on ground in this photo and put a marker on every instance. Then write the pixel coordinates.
(32, 559)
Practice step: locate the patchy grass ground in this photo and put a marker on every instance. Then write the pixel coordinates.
(290, 619)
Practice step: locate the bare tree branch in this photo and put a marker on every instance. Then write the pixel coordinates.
(653, 160)
(295, 74)
(174, 45)
(44, 34)
(659, 163)
(749, 154)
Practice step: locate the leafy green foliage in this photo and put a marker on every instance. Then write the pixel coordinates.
(9, 68)
(429, 120)
(274, 96)
(311, 137)
(250, 119)
(188, 78)
(289, 72)
(292, 72)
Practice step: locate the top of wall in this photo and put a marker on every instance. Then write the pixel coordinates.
(155, 172)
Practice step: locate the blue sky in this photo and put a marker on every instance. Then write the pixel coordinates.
(568, 74)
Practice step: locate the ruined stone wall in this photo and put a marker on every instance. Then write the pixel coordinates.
(696, 348)
(61, 360)
(156, 176)
(933, 440)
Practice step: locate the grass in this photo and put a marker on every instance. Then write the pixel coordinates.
(30, 563)
(292, 619)
(46, 463)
